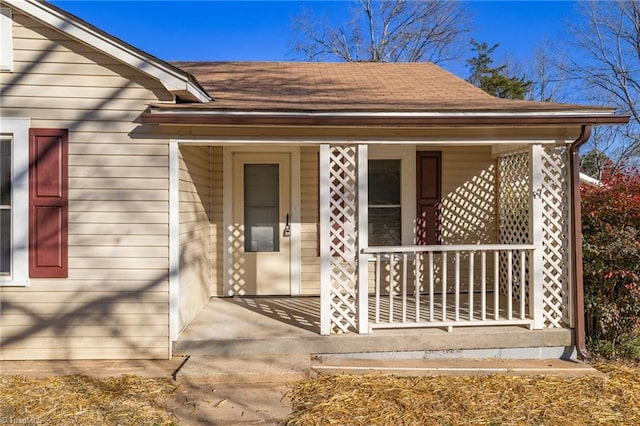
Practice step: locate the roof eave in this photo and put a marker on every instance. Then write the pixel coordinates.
(176, 81)
(248, 118)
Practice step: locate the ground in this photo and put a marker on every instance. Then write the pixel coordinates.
(610, 397)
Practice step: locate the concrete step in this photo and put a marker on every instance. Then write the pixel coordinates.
(248, 369)
(451, 367)
(245, 369)
(401, 340)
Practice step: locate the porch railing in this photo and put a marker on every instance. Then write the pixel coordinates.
(450, 285)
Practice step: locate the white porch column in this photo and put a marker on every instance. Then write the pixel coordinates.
(340, 227)
(363, 239)
(536, 273)
(555, 236)
(325, 249)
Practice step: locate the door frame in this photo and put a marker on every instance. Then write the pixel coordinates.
(294, 184)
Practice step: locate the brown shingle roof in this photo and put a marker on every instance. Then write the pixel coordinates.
(341, 87)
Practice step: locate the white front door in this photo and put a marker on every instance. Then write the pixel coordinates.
(260, 232)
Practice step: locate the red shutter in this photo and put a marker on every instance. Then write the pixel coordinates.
(429, 183)
(48, 206)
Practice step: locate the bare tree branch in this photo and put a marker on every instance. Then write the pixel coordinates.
(550, 82)
(396, 31)
(605, 57)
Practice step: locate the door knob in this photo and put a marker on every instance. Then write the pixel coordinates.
(287, 228)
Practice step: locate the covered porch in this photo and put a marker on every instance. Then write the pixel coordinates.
(479, 234)
(499, 258)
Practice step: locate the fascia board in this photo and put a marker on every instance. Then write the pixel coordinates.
(185, 117)
(171, 78)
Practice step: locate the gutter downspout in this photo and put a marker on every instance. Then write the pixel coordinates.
(576, 240)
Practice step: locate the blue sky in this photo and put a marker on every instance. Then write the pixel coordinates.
(260, 30)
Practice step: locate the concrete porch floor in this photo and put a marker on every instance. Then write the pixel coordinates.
(291, 325)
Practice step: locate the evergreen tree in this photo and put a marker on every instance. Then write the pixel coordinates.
(494, 80)
(594, 163)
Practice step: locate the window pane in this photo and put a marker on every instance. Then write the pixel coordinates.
(261, 207)
(385, 212)
(384, 182)
(5, 206)
(384, 226)
(5, 242)
(5, 172)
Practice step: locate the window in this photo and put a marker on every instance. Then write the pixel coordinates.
(14, 201)
(5, 206)
(6, 40)
(261, 207)
(385, 204)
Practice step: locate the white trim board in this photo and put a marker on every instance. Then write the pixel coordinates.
(18, 130)
(420, 142)
(174, 241)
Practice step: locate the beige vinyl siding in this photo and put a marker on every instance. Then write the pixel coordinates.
(468, 195)
(195, 236)
(69, 61)
(468, 204)
(309, 217)
(115, 302)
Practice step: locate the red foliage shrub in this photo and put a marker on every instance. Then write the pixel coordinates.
(611, 252)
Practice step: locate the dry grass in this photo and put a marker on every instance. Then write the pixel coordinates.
(82, 400)
(479, 400)
(346, 400)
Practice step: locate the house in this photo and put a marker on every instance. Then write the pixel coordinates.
(587, 180)
(137, 193)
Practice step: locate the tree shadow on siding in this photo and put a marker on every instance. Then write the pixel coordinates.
(83, 311)
(108, 314)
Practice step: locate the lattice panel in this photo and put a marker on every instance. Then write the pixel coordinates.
(555, 202)
(343, 193)
(236, 263)
(514, 189)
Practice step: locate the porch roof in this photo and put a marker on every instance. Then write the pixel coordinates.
(307, 86)
(362, 94)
